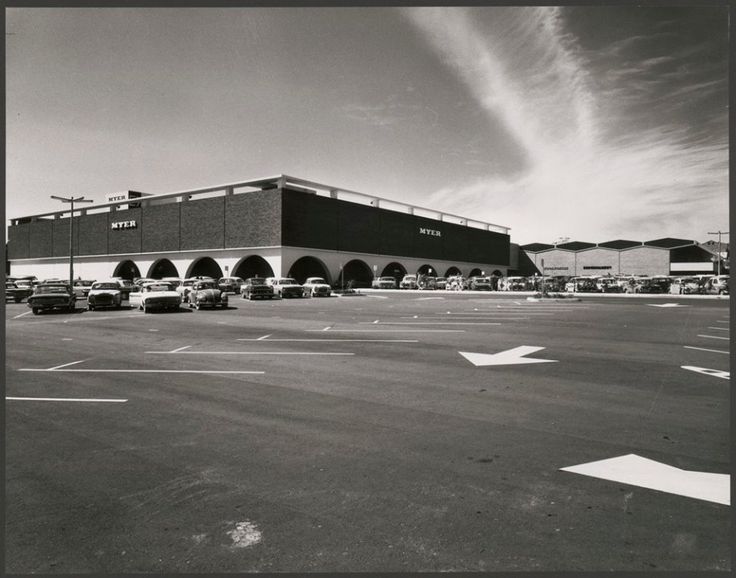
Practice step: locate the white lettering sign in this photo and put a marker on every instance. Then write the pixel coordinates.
(124, 225)
(432, 232)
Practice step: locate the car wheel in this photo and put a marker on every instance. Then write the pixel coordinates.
(145, 307)
(36, 310)
(196, 305)
(90, 307)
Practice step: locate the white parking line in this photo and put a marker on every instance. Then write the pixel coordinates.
(245, 353)
(264, 337)
(714, 337)
(180, 349)
(431, 323)
(138, 371)
(90, 318)
(22, 314)
(720, 328)
(708, 371)
(338, 340)
(390, 330)
(703, 349)
(67, 364)
(723, 321)
(466, 318)
(66, 399)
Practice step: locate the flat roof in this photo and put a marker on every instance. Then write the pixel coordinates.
(286, 181)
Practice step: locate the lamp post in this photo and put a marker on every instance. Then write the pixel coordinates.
(719, 233)
(71, 200)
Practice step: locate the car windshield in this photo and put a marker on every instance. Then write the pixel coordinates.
(317, 280)
(205, 285)
(256, 281)
(159, 287)
(83, 283)
(105, 286)
(387, 278)
(410, 277)
(287, 281)
(51, 289)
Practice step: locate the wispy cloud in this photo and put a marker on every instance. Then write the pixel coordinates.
(592, 171)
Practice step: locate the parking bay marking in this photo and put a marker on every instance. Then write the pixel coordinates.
(246, 353)
(336, 340)
(706, 371)
(720, 328)
(645, 473)
(667, 305)
(714, 337)
(387, 330)
(704, 349)
(513, 356)
(138, 370)
(92, 400)
(428, 323)
(22, 314)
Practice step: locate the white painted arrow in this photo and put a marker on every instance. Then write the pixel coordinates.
(666, 305)
(645, 473)
(513, 356)
(706, 371)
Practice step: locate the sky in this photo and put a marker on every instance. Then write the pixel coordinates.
(588, 123)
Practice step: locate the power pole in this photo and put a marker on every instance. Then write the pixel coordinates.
(719, 233)
(71, 230)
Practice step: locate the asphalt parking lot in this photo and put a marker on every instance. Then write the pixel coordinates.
(388, 432)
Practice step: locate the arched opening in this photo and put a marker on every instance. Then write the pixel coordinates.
(356, 274)
(127, 270)
(309, 267)
(205, 267)
(162, 268)
(475, 272)
(452, 271)
(253, 266)
(427, 270)
(395, 270)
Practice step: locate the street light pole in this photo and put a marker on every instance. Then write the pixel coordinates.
(71, 201)
(719, 233)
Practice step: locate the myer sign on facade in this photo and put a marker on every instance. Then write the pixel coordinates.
(124, 225)
(432, 232)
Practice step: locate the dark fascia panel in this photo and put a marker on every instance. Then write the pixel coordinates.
(536, 247)
(669, 243)
(620, 244)
(575, 245)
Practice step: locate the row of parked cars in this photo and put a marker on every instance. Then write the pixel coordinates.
(147, 294)
(430, 282)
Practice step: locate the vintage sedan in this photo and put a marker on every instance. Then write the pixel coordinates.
(441, 282)
(316, 287)
(256, 288)
(157, 295)
(384, 283)
(285, 287)
(207, 294)
(479, 283)
(52, 296)
(409, 282)
(104, 294)
(82, 287)
(15, 292)
(230, 284)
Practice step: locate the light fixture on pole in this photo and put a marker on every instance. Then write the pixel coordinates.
(719, 233)
(71, 200)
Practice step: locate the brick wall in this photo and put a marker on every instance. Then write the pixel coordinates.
(41, 239)
(124, 240)
(645, 261)
(160, 228)
(253, 219)
(203, 224)
(92, 234)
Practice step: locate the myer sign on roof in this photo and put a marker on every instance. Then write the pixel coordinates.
(124, 196)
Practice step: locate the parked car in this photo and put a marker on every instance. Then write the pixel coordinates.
(285, 287)
(409, 282)
(230, 284)
(207, 294)
(479, 283)
(440, 282)
(457, 283)
(383, 283)
(158, 295)
(104, 294)
(82, 287)
(175, 281)
(686, 286)
(426, 282)
(608, 285)
(52, 296)
(256, 288)
(185, 288)
(14, 292)
(141, 280)
(717, 285)
(514, 283)
(582, 285)
(316, 287)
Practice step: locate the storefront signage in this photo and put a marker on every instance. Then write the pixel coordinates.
(432, 232)
(113, 198)
(124, 225)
